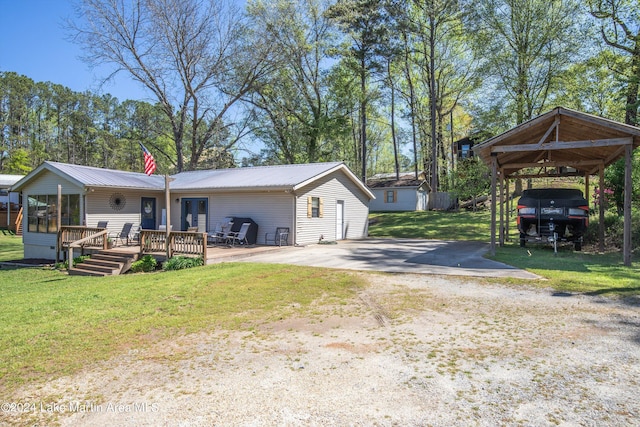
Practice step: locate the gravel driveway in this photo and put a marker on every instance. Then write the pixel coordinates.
(407, 350)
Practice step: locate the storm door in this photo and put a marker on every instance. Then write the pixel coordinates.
(194, 213)
(148, 214)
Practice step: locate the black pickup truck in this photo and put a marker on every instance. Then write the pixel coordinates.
(552, 215)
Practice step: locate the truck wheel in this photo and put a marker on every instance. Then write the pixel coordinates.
(577, 245)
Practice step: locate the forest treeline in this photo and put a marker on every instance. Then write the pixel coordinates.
(384, 85)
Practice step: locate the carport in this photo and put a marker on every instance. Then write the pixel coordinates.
(560, 143)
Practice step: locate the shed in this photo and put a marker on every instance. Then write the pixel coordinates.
(561, 142)
(405, 193)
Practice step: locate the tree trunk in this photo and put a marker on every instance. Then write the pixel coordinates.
(393, 121)
(363, 117)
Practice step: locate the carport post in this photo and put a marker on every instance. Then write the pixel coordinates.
(628, 149)
(506, 180)
(501, 198)
(494, 173)
(601, 209)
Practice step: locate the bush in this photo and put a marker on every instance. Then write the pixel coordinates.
(614, 231)
(182, 262)
(145, 264)
(77, 260)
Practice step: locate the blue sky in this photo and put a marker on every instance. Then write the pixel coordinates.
(33, 43)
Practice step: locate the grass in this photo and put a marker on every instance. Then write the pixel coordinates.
(569, 271)
(432, 225)
(54, 324)
(582, 272)
(10, 246)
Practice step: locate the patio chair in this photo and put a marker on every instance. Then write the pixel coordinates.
(102, 224)
(240, 236)
(280, 237)
(221, 233)
(123, 235)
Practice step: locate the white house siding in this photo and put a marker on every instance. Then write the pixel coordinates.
(99, 208)
(43, 245)
(407, 199)
(268, 210)
(331, 189)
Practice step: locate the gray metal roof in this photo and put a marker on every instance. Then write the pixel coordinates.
(7, 181)
(258, 177)
(88, 176)
(284, 177)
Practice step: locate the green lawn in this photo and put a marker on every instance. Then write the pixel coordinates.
(432, 225)
(53, 324)
(10, 246)
(565, 271)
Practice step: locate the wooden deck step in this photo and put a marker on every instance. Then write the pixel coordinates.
(105, 263)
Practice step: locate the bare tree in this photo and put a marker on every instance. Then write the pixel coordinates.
(195, 56)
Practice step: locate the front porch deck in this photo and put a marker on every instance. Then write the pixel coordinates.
(215, 254)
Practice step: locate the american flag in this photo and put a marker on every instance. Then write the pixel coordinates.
(149, 161)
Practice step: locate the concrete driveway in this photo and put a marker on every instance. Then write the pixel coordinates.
(397, 256)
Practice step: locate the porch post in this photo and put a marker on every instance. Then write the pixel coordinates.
(167, 201)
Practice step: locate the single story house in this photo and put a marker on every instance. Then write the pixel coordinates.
(404, 194)
(320, 201)
(9, 201)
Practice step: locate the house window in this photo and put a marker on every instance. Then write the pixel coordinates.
(466, 151)
(42, 212)
(390, 196)
(314, 207)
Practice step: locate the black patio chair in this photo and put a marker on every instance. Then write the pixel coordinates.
(280, 237)
(123, 236)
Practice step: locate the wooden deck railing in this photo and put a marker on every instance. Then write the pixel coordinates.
(19, 222)
(151, 241)
(76, 236)
(179, 243)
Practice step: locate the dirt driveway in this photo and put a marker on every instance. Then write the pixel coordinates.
(409, 349)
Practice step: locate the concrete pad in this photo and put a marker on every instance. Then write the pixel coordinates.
(397, 256)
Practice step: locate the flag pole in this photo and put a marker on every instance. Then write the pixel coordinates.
(167, 201)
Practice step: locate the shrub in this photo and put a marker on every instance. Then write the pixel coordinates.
(182, 262)
(145, 264)
(77, 260)
(614, 230)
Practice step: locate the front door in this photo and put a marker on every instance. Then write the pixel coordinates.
(194, 213)
(340, 220)
(148, 213)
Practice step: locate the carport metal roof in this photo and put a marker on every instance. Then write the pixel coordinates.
(562, 142)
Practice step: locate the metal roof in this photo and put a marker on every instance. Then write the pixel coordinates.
(87, 176)
(408, 180)
(561, 137)
(284, 177)
(7, 181)
(258, 177)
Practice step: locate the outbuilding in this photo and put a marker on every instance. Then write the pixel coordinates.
(396, 194)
